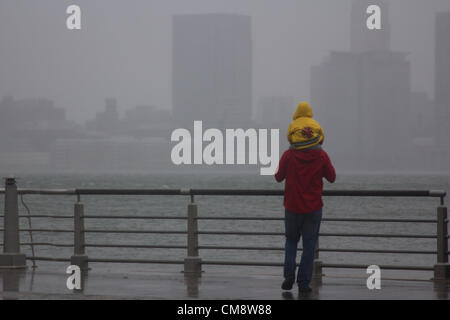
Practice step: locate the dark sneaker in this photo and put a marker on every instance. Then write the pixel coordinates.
(304, 289)
(287, 284)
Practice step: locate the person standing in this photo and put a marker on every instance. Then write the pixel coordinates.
(303, 167)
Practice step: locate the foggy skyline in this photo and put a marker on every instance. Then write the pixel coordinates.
(212, 69)
(124, 49)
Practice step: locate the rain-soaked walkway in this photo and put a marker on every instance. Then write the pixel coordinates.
(150, 282)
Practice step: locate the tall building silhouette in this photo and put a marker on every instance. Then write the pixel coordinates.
(212, 69)
(361, 97)
(442, 82)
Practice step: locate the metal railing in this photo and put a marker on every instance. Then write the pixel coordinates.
(192, 261)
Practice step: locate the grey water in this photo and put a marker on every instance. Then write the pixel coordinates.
(228, 206)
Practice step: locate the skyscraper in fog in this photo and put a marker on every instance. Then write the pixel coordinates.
(362, 97)
(442, 83)
(212, 69)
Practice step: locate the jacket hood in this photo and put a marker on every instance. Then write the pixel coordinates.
(303, 110)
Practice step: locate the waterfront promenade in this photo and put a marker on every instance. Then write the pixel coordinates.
(189, 272)
(153, 282)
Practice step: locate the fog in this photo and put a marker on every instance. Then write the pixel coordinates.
(108, 96)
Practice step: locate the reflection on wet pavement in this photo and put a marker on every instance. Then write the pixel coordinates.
(45, 283)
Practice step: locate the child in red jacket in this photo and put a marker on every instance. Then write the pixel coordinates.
(303, 170)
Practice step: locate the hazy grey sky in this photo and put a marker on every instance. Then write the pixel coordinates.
(124, 47)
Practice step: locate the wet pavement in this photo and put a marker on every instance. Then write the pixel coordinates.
(170, 283)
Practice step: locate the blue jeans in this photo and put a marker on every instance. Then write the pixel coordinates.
(296, 226)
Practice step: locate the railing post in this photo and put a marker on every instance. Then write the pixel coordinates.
(11, 256)
(317, 267)
(192, 263)
(442, 267)
(79, 257)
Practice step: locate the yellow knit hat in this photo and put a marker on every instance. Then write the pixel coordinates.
(304, 132)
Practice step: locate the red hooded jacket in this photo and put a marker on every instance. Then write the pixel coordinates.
(303, 171)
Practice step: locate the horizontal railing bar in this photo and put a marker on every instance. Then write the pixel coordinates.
(243, 233)
(359, 235)
(135, 231)
(100, 245)
(240, 263)
(135, 261)
(345, 266)
(230, 192)
(226, 218)
(48, 259)
(324, 219)
(102, 217)
(55, 192)
(97, 245)
(44, 244)
(385, 267)
(109, 260)
(45, 216)
(320, 249)
(133, 192)
(43, 230)
(352, 193)
(380, 220)
(241, 218)
(377, 251)
(135, 217)
(374, 235)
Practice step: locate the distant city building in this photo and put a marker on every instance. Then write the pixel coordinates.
(31, 124)
(110, 155)
(30, 114)
(422, 117)
(137, 142)
(362, 97)
(442, 82)
(212, 69)
(146, 115)
(28, 128)
(106, 121)
(147, 121)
